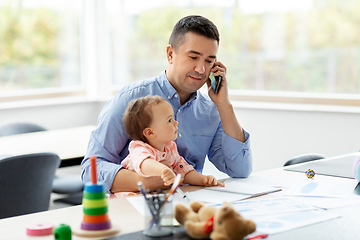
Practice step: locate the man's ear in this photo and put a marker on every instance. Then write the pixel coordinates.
(148, 133)
(170, 53)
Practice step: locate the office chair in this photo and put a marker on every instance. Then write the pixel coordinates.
(304, 158)
(62, 185)
(72, 186)
(26, 183)
(19, 128)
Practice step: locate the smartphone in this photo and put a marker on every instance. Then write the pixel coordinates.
(215, 82)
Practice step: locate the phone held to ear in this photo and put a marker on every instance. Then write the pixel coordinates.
(215, 82)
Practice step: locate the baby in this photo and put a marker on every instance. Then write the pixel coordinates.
(150, 122)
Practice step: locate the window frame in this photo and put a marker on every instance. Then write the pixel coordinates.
(96, 72)
(295, 98)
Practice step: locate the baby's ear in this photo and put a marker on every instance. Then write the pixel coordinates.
(148, 133)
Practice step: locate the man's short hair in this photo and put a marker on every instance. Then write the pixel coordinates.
(196, 24)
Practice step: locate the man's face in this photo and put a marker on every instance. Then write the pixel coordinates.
(190, 64)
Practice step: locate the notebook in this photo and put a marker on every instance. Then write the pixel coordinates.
(234, 185)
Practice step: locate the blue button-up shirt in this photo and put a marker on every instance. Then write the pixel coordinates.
(200, 133)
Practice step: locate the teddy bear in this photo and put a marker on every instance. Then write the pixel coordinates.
(216, 223)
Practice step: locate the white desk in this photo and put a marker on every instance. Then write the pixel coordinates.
(129, 220)
(68, 143)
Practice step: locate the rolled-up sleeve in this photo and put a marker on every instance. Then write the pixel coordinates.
(230, 155)
(182, 167)
(107, 143)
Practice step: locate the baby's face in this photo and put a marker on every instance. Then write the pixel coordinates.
(164, 125)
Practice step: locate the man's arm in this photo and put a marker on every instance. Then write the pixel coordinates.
(106, 142)
(126, 181)
(235, 157)
(228, 118)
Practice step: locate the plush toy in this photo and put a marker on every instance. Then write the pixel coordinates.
(203, 222)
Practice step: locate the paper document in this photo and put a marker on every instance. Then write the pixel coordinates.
(213, 197)
(286, 179)
(271, 224)
(234, 185)
(328, 202)
(339, 187)
(270, 206)
(235, 189)
(139, 203)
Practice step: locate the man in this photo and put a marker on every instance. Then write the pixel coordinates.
(207, 124)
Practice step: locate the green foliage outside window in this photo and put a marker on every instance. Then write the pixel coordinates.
(33, 52)
(319, 48)
(28, 47)
(327, 59)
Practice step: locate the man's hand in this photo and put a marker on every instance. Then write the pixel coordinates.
(229, 122)
(221, 97)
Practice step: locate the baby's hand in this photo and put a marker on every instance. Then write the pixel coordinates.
(211, 181)
(168, 176)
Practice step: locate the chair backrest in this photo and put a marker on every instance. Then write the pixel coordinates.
(19, 128)
(304, 158)
(26, 183)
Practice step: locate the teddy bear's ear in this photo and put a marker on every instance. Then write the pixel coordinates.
(226, 211)
(181, 213)
(196, 205)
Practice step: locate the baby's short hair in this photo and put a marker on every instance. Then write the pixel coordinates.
(138, 116)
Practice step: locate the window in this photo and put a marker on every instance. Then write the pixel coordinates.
(39, 45)
(271, 48)
(274, 50)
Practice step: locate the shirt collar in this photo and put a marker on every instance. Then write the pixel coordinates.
(169, 90)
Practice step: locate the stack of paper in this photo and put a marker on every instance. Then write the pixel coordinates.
(234, 190)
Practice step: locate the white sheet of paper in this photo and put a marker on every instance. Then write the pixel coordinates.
(235, 185)
(286, 180)
(271, 224)
(267, 206)
(334, 187)
(138, 202)
(215, 197)
(329, 202)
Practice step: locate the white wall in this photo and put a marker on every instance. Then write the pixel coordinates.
(277, 133)
(53, 115)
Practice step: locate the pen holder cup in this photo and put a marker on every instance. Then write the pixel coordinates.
(158, 216)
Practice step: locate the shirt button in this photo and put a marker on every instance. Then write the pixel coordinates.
(179, 134)
(181, 166)
(169, 97)
(163, 154)
(178, 110)
(176, 95)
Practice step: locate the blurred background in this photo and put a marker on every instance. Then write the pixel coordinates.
(293, 66)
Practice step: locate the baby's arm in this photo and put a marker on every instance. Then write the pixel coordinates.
(195, 178)
(154, 168)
